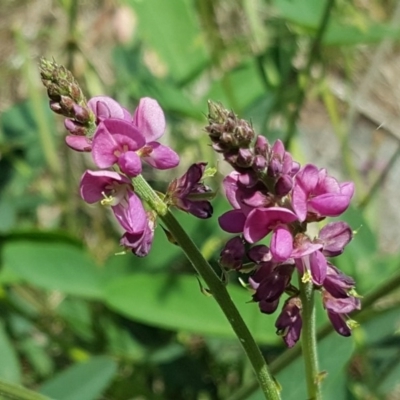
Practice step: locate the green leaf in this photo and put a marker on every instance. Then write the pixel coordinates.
(171, 29)
(9, 366)
(85, 381)
(54, 266)
(176, 303)
(231, 91)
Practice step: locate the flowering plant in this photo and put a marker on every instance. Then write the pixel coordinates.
(271, 196)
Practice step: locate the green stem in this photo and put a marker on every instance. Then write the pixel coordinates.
(309, 340)
(10, 391)
(217, 288)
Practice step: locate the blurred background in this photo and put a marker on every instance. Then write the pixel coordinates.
(79, 322)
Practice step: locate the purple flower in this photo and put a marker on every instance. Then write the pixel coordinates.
(270, 282)
(335, 236)
(123, 140)
(231, 256)
(313, 265)
(261, 221)
(140, 243)
(116, 142)
(189, 194)
(337, 283)
(316, 195)
(289, 322)
(115, 190)
(338, 308)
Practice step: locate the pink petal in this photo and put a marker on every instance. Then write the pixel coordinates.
(78, 143)
(299, 202)
(149, 119)
(281, 244)
(161, 157)
(232, 221)
(94, 184)
(347, 188)
(130, 163)
(230, 184)
(256, 226)
(131, 214)
(329, 204)
(106, 107)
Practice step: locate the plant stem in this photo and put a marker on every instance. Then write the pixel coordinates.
(10, 391)
(309, 340)
(216, 287)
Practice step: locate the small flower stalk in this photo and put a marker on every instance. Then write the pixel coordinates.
(273, 196)
(119, 143)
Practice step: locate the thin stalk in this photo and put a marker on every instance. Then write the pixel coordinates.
(10, 391)
(309, 340)
(216, 287)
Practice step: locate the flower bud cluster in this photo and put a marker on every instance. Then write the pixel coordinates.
(273, 196)
(67, 99)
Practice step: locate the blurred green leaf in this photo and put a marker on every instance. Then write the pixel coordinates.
(9, 366)
(54, 266)
(37, 356)
(307, 13)
(85, 381)
(176, 303)
(171, 30)
(230, 91)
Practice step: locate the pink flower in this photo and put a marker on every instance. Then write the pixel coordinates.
(115, 190)
(116, 141)
(317, 195)
(123, 140)
(261, 221)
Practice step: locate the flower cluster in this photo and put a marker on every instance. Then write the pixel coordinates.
(119, 142)
(272, 195)
(123, 142)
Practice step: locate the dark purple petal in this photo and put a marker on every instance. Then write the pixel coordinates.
(160, 156)
(341, 305)
(335, 236)
(289, 322)
(268, 307)
(231, 256)
(149, 118)
(339, 323)
(318, 267)
(232, 221)
(259, 254)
